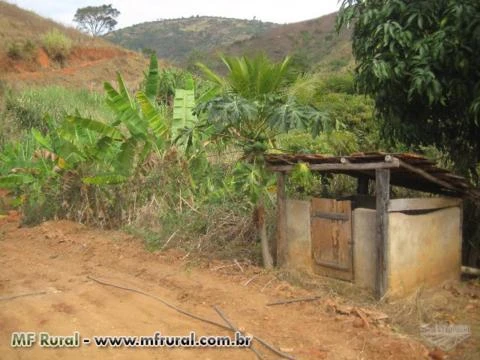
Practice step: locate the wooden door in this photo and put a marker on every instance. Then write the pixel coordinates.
(331, 227)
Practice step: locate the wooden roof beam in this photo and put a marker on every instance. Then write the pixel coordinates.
(427, 176)
(344, 166)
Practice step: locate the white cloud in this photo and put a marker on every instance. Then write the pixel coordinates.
(137, 11)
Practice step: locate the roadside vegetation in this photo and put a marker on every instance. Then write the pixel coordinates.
(180, 160)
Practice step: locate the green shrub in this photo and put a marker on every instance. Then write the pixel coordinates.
(14, 51)
(29, 50)
(57, 45)
(337, 64)
(337, 83)
(22, 51)
(147, 52)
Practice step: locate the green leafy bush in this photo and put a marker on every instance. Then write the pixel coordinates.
(337, 83)
(337, 64)
(57, 45)
(29, 50)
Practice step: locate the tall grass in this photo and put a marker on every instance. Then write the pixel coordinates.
(57, 45)
(27, 109)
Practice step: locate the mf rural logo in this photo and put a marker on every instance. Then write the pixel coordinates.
(445, 337)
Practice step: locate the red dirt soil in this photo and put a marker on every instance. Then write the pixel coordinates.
(42, 59)
(57, 258)
(86, 67)
(96, 53)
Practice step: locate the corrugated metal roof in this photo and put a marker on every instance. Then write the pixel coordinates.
(407, 169)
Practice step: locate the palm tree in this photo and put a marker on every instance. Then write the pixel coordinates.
(249, 107)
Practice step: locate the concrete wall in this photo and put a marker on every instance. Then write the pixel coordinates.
(363, 226)
(299, 245)
(424, 249)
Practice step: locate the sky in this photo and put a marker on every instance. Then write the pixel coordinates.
(138, 11)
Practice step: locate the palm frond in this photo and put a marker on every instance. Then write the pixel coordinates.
(210, 75)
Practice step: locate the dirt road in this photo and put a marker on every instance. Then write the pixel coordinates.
(56, 259)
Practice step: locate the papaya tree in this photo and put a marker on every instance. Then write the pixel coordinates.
(248, 108)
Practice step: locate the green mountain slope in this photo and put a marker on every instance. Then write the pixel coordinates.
(312, 44)
(179, 40)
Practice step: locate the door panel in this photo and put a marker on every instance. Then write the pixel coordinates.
(332, 238)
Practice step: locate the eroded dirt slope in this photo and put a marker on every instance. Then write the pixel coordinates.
(86, 67)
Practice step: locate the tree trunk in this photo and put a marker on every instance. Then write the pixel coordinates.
(262, 231)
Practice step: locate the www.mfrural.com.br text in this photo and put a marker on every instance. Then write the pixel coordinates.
(75, 340)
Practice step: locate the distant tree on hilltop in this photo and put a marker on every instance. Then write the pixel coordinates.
(96, 20)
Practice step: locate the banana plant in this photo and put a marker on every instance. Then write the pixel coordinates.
(17, 167)
(110, 153)
(140, 127)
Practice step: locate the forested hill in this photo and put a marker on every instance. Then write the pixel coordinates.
(188, 40)
(179, 39)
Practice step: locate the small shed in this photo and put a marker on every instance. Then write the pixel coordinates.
(389, 246)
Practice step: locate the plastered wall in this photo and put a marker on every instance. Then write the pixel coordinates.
(424, 247)
(299, 235)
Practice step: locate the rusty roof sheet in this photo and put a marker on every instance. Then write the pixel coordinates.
(414, 171)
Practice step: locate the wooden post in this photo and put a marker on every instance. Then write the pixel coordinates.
(382, 193)
(362, 185)
(280, 248)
